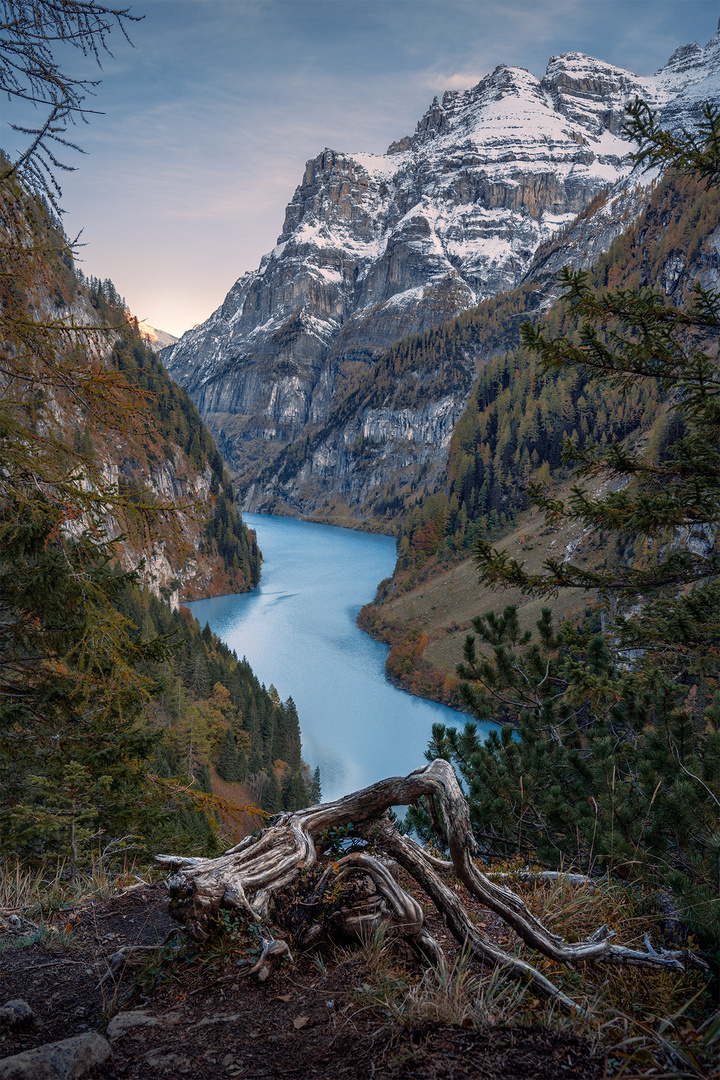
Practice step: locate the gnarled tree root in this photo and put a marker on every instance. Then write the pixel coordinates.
(364, 893)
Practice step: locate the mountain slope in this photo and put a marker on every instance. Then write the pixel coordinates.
(378, 248)
(207, 550)
(105, 461)
(512, 432)
(92, 422)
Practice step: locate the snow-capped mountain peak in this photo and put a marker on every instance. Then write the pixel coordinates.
(377, 247)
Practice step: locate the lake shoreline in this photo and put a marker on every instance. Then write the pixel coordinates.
(298, 631)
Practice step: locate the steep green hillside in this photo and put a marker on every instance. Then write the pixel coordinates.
(180, 463)
(134, 773)
(213, 713)
(113, 707)
(512, 433)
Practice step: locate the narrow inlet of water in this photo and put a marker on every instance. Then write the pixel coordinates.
(298, 632)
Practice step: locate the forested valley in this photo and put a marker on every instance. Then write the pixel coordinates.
(564, 897)
(115, 503)
(520, 416)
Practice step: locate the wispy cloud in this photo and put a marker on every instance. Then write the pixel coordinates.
(210, 118)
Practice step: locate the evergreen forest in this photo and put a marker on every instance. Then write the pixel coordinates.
(520, 414)
(607, 754)
(114, 708)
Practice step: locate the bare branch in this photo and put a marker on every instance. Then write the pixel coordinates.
(251, 874)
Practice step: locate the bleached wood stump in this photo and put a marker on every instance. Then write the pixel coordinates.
(365, 893)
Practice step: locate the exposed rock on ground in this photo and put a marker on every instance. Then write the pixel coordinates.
(68, 1059)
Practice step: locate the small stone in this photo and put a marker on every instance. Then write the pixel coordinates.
(218, 1018)
(173, 1018)
(15, 1014)
(124, 1022)
(68, 1059)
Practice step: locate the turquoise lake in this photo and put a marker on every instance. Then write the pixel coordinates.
(298, 631)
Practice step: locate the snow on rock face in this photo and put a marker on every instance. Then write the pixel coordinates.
(690, 77)
(157, 339)
(376, 247)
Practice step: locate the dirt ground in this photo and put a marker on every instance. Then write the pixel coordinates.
(198, 1015)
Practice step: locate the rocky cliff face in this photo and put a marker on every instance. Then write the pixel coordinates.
(376, 248)
(168, 459)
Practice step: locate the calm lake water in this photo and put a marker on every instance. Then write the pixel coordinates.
(298, 631)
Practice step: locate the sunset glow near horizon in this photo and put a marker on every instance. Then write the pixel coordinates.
(209, 117)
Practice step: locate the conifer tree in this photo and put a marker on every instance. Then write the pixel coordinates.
(294, 793)
(36, 37)
(314, 788)
(271, 799)
(203, 779)
(610, 756)
(229, 763)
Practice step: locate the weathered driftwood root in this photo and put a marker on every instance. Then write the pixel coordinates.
(367, 897)
(364, 893)
(272, 950)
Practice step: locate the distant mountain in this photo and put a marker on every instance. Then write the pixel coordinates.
(377, 248)
(157, 339)
(512, 432)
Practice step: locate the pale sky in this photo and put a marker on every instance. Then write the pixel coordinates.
(210, 117)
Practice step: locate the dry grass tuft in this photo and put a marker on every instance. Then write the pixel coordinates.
(47, 889)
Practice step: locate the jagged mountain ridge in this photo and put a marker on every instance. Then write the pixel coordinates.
(378, 247)
(512, 432)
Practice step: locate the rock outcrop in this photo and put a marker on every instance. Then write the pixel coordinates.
(378, 247)
(68, 1059)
